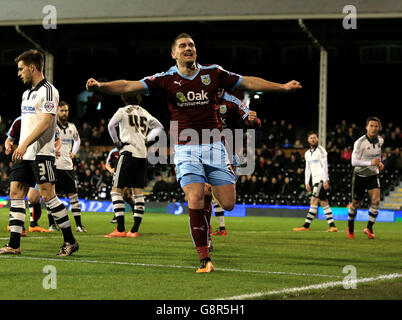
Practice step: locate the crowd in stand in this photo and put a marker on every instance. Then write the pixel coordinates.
(279, 163)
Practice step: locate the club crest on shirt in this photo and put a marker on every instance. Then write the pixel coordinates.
(222, 108)
(49, 106)
(206, 79)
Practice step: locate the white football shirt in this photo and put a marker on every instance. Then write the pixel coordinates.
(69, 137)
(364, 151)
(316, 165)
(44, 98)
(134, 123)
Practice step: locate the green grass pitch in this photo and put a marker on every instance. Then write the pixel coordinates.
(260, 258)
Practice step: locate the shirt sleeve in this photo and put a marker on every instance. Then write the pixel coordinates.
(357, 157)
(324, 164)
(113, 123)
(307, 173)
(50, 100)
(154, 82)
(77, 141)
(15, 129)
(241, 109)
(228, 80)
(156, 128)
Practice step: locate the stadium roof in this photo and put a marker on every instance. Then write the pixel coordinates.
(28, 12)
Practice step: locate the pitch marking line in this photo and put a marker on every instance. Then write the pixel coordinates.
(169, 266)
(319, 286)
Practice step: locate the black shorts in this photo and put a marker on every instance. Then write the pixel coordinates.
(361, 184)
(38, 171)
(66, 182)
(319, 192)
(130, 171)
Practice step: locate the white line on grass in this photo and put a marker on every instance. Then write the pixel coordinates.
(169, 266)
(319, 286)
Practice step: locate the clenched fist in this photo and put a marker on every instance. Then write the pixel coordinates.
(92, 85)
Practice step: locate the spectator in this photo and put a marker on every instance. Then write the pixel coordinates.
(275, 187)
(254, 185)
(4, 185)
(96, 178)
(346, 155)
(271, 141)
(298, 144)
(85, 132)
(292, 163)
(160, 186)
(265, 187)
(279, 159)
(287, 144)
(287, 186)
(84, 151)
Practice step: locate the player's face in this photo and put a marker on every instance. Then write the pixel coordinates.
(63, 113)
(312, 140)
(25, 72)
(373, 127)
(184, 52)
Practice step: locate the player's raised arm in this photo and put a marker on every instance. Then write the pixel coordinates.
(259, 84)
(116, 87)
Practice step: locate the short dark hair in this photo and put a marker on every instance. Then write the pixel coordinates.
(373, 119)
(63, 103)
(312, 132)
(131, 98)
(32, 56)
(180, 36)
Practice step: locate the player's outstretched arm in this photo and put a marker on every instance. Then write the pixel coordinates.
(259, 84)
(116, 87)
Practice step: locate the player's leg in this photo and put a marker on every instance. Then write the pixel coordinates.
(119, 210)
(35, 209)
(323, 198)
(328, 215)
(313, 210)
(44, 170)
(198, 221)
(138, 212)
(21, 178)
(208, 204)
(128, 197)
(225, 195)
(137, 184)
(18, 190)
(191, 175)
(375, 195)
(358, 190)
(221, 176)
(208, 212)
(220, 217)
(121, 180)
(76, 211)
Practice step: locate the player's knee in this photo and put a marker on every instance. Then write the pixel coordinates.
(34, 197)
(375, 203)
(17, 191)
(356, 204)
(227, 204)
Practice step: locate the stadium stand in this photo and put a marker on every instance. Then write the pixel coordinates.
(279, 170)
